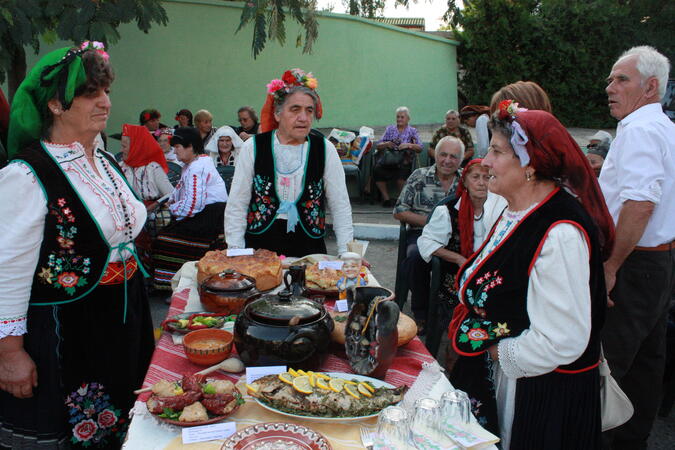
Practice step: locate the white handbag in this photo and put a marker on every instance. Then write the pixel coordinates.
(616, 409)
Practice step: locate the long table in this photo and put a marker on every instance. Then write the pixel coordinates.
(170, 363)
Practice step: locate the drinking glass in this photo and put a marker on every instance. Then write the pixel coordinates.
(426, 418)
(456, 407)
(393, 426)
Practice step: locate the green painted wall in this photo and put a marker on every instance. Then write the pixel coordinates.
(365, 70)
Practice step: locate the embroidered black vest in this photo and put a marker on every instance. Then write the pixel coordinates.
(74, 253)
(496, 292)
(262, 209)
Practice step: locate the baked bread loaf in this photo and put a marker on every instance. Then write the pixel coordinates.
(407, 329)
(324, 279)
(263, 265)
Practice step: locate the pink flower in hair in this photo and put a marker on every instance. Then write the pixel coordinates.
(275, 85)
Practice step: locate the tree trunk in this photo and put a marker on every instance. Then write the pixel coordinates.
(17, 72)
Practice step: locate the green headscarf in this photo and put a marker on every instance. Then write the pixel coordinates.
(57, 75)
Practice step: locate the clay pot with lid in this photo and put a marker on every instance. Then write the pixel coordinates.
(227, 292)
(283, 329)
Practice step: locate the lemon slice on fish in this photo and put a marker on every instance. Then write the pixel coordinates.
(301, 384)
(364, 390)
(286, 377)
(336, 384)
(349, 382)
(312, 379)
(321, 383)
(321, 375)
(301, 373)
(351, 390)
(368, 387)
(252, 387)
(293, 372)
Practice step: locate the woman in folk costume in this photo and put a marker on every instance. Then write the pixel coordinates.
(286, 178)
(144, 164)
(196, 207)
(224, 146)
(533, 295)
(75, 326)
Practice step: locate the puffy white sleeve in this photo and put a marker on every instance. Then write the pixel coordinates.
(559, 307)
(160, 178)
(338, 198)
(192, 193)
(436, 233)
(240, 197)
(21, 231)
(482, 135)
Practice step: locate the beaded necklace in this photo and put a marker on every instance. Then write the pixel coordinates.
(128, 232)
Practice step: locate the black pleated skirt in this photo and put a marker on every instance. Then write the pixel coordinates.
(557, 411)
(295, 243)
(89, 359)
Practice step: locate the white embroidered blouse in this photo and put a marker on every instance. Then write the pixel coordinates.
(289, 163)
(150, 182)
(23, 207)
(200, 185)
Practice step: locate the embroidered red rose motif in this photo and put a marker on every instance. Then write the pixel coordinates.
(84, 430)
(65, 243)
(68, 279)
(477, 334)
(107, 418)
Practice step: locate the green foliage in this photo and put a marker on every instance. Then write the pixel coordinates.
(23, 22)
(567, 46)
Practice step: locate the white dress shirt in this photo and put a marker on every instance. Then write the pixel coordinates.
(482, 137)
(22, 224)
(436, 233)
(200, 185)
(289, 165)
(640, 166)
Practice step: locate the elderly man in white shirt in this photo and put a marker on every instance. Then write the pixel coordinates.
(639, 187)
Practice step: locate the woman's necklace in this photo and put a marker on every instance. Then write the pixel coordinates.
(477, 218)
(128, 231)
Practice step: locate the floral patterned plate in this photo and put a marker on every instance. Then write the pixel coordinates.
(212, 418)
(277, 436)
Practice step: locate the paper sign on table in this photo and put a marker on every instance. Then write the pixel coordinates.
(205, 433)
(471, 436)
(253, 373)
(341, 305)
(335, 265)
(239, 251)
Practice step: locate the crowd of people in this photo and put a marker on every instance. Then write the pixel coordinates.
(550, 255)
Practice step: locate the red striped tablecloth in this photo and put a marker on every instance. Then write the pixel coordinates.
(170, 363)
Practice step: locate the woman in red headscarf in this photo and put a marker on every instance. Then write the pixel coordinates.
(144, 164)
(534, 293)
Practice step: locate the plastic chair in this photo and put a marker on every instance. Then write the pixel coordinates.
(118, 157)
(174, 172)
(401, 283)
(434, 334)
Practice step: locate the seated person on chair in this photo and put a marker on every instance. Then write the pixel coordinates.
(224, 146)
(197, 206)
(458, 228)
(426, 187)
(401, 142)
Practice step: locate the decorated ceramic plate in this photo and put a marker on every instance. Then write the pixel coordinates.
(347, 376)
(212, 417)
(181, 323)
(276, 435)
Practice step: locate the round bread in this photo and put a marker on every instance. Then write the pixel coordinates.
(263, 265)
(407, 329)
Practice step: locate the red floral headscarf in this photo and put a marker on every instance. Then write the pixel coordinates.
(466, 212)
(143, 148)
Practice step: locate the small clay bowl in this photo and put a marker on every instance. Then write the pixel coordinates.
(207, 347)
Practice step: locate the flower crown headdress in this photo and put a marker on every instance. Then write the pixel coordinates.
(95, 45)
(508, 111)
(294, 77)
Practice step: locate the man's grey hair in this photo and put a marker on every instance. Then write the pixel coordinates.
(450, 140)
(452, 111)
(650, 63)
(279, 103)
(403, 109)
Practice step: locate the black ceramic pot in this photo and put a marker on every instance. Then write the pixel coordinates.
(283, 329)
